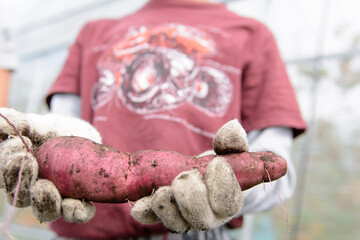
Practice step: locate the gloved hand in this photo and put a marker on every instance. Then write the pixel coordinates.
(196, 202)
(16, 154)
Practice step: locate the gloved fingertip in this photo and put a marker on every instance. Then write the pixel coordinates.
(224, 192)
(165, 207)
(75, 210)
(45, 201)
(10, 177)
(231, 138)
(142, 211)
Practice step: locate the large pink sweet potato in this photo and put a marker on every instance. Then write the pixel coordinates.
(80, 168)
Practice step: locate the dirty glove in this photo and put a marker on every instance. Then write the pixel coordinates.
(16, 154)
(196, 202)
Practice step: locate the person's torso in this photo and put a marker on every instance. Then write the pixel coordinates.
(166, 77)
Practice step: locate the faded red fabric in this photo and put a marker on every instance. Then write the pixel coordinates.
(235, 71)
(235, 223)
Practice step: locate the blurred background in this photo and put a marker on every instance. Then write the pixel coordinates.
(320, 43)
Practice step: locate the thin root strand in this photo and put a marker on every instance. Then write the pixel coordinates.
(281, 202)
(17, 189)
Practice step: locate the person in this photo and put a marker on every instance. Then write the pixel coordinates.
(168, 77)
(8, 63)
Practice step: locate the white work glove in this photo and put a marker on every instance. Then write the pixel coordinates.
(44, 198)
(196, 202)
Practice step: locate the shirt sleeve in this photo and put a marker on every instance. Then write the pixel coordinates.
(8, 58)
(68, 81)
(268, 98)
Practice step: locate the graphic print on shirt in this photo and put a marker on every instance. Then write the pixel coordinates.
(154, 69)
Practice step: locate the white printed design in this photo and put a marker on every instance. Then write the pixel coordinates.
(160, 68)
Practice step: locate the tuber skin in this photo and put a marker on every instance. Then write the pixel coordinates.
(83, 169)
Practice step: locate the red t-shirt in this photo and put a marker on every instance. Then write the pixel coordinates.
(168, 77)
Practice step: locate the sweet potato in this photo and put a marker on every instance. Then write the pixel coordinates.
(83, 169)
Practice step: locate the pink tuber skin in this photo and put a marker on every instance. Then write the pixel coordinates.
(83, 169)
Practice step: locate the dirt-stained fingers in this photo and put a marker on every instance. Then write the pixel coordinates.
(194, 202)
